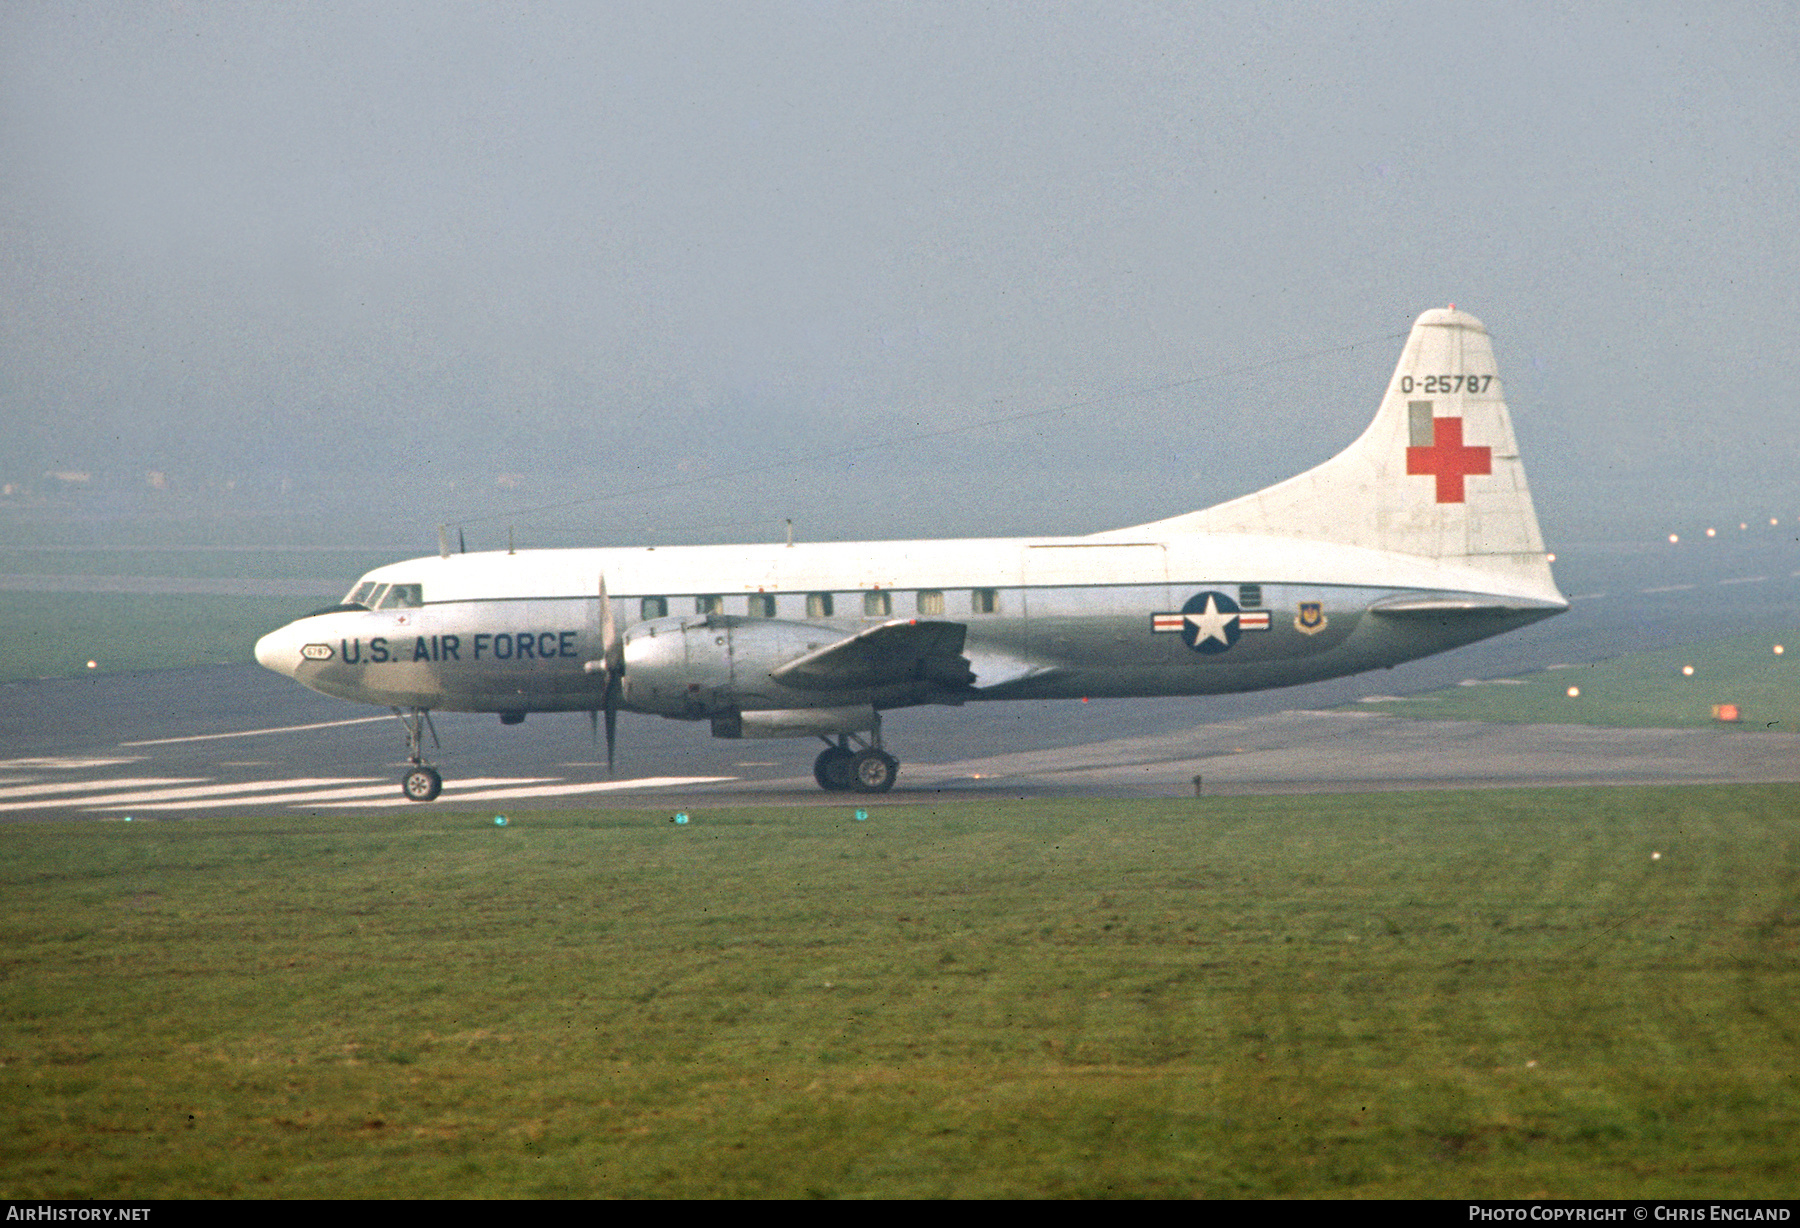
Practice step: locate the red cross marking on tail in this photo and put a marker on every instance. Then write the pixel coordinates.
(1448, 460)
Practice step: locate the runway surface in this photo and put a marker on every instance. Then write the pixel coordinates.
(237, 739)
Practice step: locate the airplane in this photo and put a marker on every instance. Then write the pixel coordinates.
(1418, 537)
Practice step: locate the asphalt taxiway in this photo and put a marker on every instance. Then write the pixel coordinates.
(294, 752)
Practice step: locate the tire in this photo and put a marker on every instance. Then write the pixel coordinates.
(832, 769)
(422, 784)
(871, 771)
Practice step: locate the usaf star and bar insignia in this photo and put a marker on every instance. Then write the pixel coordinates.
(1211, 622)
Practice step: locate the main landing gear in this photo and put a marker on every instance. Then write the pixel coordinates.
(838, 769)
(421, 782)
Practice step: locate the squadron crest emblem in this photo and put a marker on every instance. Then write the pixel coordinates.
(1311, 619)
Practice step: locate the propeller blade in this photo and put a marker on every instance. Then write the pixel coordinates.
(612, 655)
(612, 726)
(612, 649)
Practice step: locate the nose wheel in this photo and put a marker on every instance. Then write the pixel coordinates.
(421, 783)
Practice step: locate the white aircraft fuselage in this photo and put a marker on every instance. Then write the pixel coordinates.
(1417, 538)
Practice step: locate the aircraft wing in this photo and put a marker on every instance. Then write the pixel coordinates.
(892, 652)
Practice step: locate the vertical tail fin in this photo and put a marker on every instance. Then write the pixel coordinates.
(1436, 474)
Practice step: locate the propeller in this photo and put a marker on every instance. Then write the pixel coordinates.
(611, 666)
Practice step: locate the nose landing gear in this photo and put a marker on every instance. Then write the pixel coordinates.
(421, 783)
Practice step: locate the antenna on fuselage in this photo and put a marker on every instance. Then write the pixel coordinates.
(444, 541)
(790, 532)
(509, 540)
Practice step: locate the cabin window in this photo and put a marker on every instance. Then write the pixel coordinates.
(762, 605)
(984, 601)
(401, 597)
(818, 605)
(931, 601)
(361, 594)
(710, 603)
(653, 607)
(877, 604)
(1250, 596)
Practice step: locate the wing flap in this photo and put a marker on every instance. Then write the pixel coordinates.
(892, 652)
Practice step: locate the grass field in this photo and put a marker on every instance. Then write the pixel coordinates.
(1493, 994)
(55, 635)
(1640, 689)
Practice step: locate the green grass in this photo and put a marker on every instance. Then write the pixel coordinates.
(55, 635)
(1638, 689)
(1486, 994)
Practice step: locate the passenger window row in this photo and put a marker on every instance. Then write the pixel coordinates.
(876, 603)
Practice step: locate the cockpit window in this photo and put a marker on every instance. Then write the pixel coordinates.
(360, 594)
(400, 597)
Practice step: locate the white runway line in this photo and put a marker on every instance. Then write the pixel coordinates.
(113, 801)
(1669, 588)
(305, 793)
(389, 794)
(272, 799)
(600, 786)
(43, 792)
(1746, 580)
(64, 764)
(254, 733)
(457, 797)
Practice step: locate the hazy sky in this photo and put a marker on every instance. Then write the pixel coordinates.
(393, 252)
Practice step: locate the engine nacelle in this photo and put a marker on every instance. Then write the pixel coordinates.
(714, 665)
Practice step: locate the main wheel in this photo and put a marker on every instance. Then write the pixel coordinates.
(871, 771)
(421, 784)
(832, 769)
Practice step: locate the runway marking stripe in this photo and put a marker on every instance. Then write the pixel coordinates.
(554, 790)
(1669, 588)
(65, 763)
(306, 795)
(598, 786)
(93, 786)
(1745, 580)
(253, 733)
(111, 800)
(272, 799)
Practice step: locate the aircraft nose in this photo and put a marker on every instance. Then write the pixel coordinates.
(279, 651)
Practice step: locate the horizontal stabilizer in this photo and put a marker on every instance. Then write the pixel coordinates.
(892, 652)
(1441, 607)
